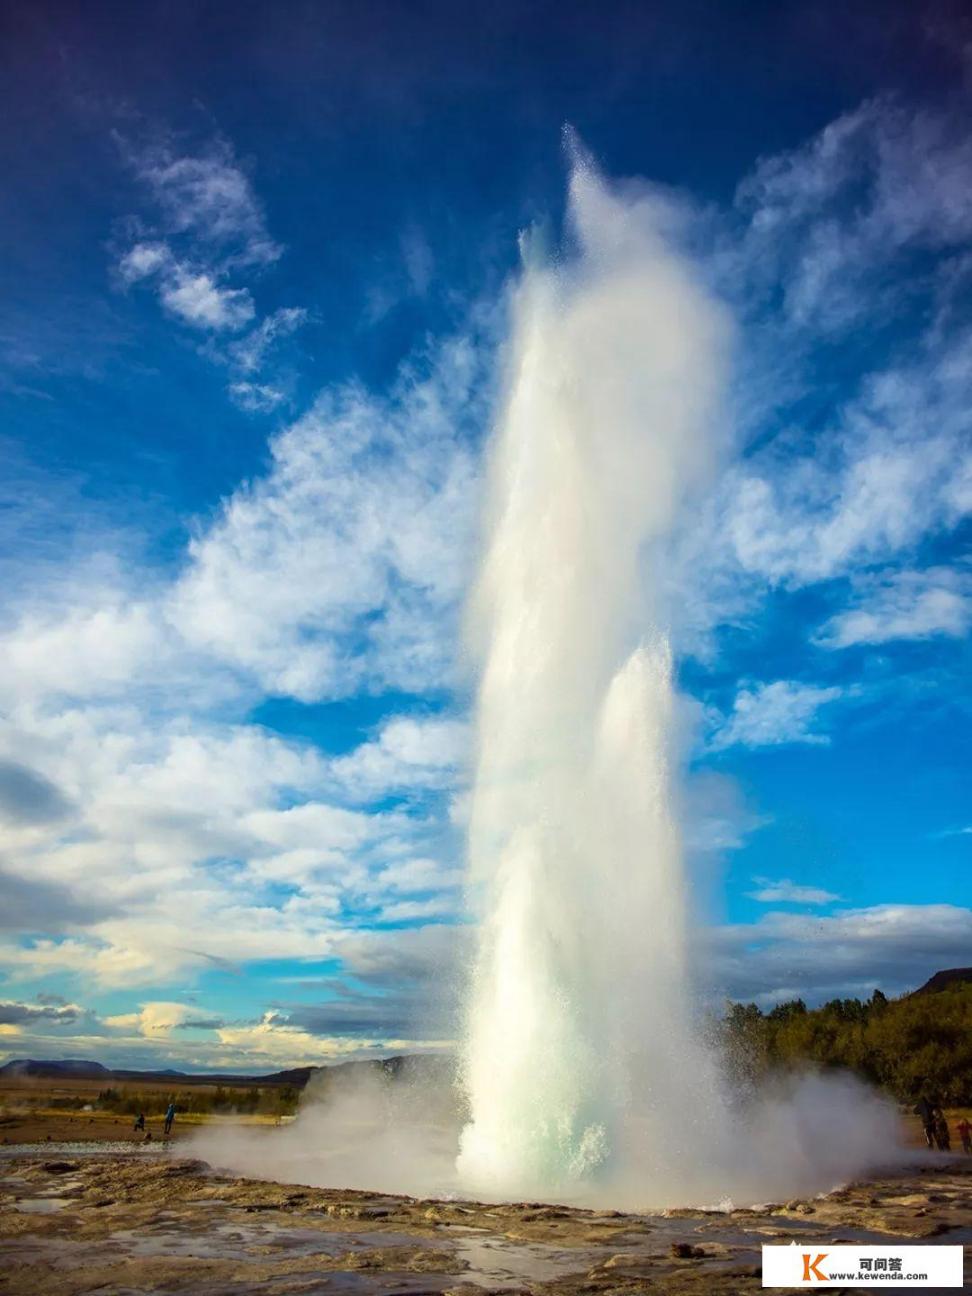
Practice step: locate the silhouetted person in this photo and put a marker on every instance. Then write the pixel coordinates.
(139, 1122)
(169, 1118)
(965, 1134)
(942, 1136)
(926, 1112)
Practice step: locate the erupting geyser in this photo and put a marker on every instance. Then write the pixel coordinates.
(582, 1063)
(579, 1015)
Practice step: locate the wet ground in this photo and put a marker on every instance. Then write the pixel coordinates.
(118, 1220)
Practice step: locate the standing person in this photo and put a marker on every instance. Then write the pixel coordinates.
(926, 1113)
(139, 1122)
(965, 1134)
(169, 1118)
(942, 1136)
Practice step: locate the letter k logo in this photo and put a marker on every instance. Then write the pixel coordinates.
(810, 1269)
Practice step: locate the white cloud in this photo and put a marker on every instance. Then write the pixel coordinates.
(256, 398)
(903, 605)
(883, 480)
(785, 955)
(208, 230)
(172, 827)
(783, 891)
(201, 302)
(156, 1035)
(414, 875)
(409, 752)
(345, 564)
(176, 828)
(155, 1019)
(210, 198)
(861, 238)
(418, 910)
(769, 715)
(192, 838)
(249, 353)
(80, 651)
(87, 959)
(143, 260)
(877, 183)
(274, 1043)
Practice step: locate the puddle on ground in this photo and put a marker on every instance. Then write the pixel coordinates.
(39, 1205)
(493, 1260)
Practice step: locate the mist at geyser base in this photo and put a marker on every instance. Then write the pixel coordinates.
(584, 1073)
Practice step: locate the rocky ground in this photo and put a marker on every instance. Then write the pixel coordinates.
(119, 1221)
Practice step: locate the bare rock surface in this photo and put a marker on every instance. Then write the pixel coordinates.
(151, 1223)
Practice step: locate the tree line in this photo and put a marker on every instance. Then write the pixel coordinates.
(919, 1044)
(272, 1100)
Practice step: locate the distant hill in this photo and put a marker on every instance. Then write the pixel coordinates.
(296, 1077)
(945, 981)
(78, 1069)
(69, 1069)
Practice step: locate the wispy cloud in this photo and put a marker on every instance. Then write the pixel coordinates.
(208, 231)
(858, 239)
(783, 891)
(206, 197)
(826, 219)
(903, 605)
(256, 398)
(769, 715)
(250, 352)
(344, 566)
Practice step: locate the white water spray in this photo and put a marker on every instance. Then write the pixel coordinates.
(579, 1006)
(585, 1074)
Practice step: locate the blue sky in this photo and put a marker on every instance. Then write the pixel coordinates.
(251, 324)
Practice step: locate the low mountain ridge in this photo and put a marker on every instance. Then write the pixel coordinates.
(945, 981)
(84, 1069)
(296, 1077)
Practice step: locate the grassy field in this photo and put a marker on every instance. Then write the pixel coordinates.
(37, 1111)
(34, 1111)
